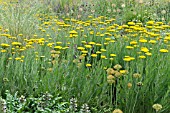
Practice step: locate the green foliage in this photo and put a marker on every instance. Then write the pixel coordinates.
(43, 103)
(19, 19)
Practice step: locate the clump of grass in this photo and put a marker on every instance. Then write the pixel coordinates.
(19, 19)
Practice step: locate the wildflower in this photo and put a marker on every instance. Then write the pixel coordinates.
(73, 104)
(79, 65)
(110, 71)
(85, 108)
(73, 32)
(113, 5)
(152, 41)
(144, 49)
(103, 56)
(91, 43)
(112, 55)
(98, 44)
(5, 45)
(150, 22)
(111, 58)
(142, 57)
(94, 55)
(142, 40)
(17, 58)
(136, 75)
(50, 69)
(84, 52)
(133, 42)
(3, 51)
(140, 1)
(88, 46)
(103, 50)
(22, 99)
(131, 23)
(123, 71)
(110, 79)
(157, 107)
(81, 57)
(163, 11)
(129, 85)
(81, 48)
(117, 111)
(3, 105)
(117, 74)
(88, 65)
(129, 47)
(117, 66)
(163, 50)
(139, 84)
(127, 59)
(148, 54)
(75, 61)
(123, 5)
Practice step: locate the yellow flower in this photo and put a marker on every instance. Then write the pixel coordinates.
(150, 22)
(103, 50)
(157, 107)
(131, 23)
(163, 50)
(152, 41)
(107, 39)
(133, 42)
(88, 65)
(127, 59)
(3, 51)
(142, 57)
(16, 43)
(129, 85)
(91, 43)
(148, 54)
(84, 52)
(5, 45)
(98, 44)
(123, 71)
(142, 40)
(88, 46)
(103, 56)
(117, 111)
(17, 58)
(129, 47)
(112, 55)
(144, 49)
(81, 48)
(98, 52)
(94, 55)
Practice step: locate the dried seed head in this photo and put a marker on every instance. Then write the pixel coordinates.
(110, 79)
(110, 71)
(129, 85)
(117, 66)
(136, 75)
